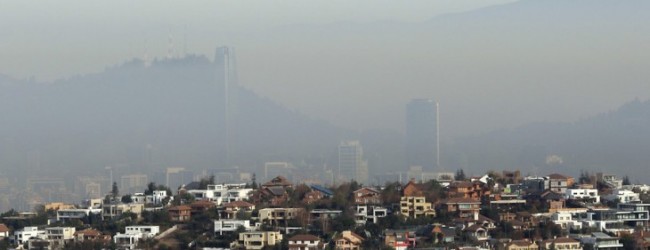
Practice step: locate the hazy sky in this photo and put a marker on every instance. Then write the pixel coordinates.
(357, 63)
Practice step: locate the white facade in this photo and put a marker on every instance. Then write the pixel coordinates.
(258, 240)
(370, 214)
(583, 194)
(75, 213)
(221, 226)
(222, 193)
(59, 235)
(623, 196)
(21, 236)
(146, 231)
(566, 220)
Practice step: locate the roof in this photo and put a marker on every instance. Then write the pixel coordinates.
(276, 190)
(561, 240)
(202, 204)
(238, 204)
(278, 181)
(3, 228)
(304, 237)
(474, 228)
(462, 184)
(372, 190)
(522, 243)
(179, 208)
(461, 200)
(556, 176)
(192, 185)
(322, 189)
(88, 232)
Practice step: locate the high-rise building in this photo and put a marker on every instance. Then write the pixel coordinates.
(351, 162)
(422, 134)
(226, 79)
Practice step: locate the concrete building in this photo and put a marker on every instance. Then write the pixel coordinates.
(351, 162)
(230, 226)
(422, 134)
(258, 240)
(415, 206)
(222, 193)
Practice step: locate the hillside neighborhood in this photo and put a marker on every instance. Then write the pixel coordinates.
(503, 210)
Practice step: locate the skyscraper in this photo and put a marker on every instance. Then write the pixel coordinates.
(422, 134)
(351, 162)
(226, 79)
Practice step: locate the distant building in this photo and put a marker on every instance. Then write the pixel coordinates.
(133, 183)
(273, 169)
(351, 162)
(422, 139)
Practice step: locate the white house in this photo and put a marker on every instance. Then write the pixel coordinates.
(21, 236)
(623, 196)
(222, 193)
(566, 220)
(370, 214)
(132, 234)
(75, 213)
(221, 226)
(590, 195)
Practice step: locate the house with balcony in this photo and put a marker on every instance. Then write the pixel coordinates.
(59, 237)
(257, 240)
(622, 196)
(415, 207)
(180, 213)
(562, 243)
(589, 196)
(231, 226)
(133, 234)
(369, 214)
(462, 207)
(348, 240)
(112, 211)
(524, 244)
(305, 242)
(602, 241)
(231, 209)
(66, 215)
(366, 195)
(400, 239)
(279, 216)
(559, 183)
(222, 193)
(23, 235)
(90, 234)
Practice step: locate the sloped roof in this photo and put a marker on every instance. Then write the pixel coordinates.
(556, 176)
(179, 208)
(89, 232)
(277, 191)
(322, 189)
(278, 181)
(460, 200)
(3, 228)
(372, 190)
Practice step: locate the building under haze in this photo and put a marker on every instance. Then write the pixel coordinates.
(422, 138)
(352, 166)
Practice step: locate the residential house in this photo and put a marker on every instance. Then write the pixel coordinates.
(602, 241)
(369, 214)
(21, 236)
(400, 239)
(462, 207)
(60, 236)
(257, 240)
(4, 231)
(366, 195)
(524, 244)
(477, 232)
(566, 220)
(348, 240)
(231, 209)
(90, 235)
(559, 183)
(562, 243)
(305, 242)
(115, 210)
(415, 207)
(180, 213)
(133, 234)
(317, 193)
(585, 195)
(66, 215)
(442, 235)
(201, 206)
(230, 226)
(468, 189)
(622, 196)
(279, 216)
(221, 193)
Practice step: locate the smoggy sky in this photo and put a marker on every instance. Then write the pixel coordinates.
(353, 63)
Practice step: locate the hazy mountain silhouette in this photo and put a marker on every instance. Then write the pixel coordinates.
(615, 142)
(168, 114)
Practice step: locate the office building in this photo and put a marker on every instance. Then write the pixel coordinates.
(351, 162)
(422, 134)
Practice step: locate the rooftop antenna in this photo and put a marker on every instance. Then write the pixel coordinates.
(185, 41)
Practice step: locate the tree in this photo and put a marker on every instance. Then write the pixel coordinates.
(626, 180)
(127, 198)
(460, 175)
(115, 191)
(150, 188)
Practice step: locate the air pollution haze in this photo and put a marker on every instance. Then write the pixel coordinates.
(140, 87)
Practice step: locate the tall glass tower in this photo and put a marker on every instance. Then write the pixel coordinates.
(422, 134)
